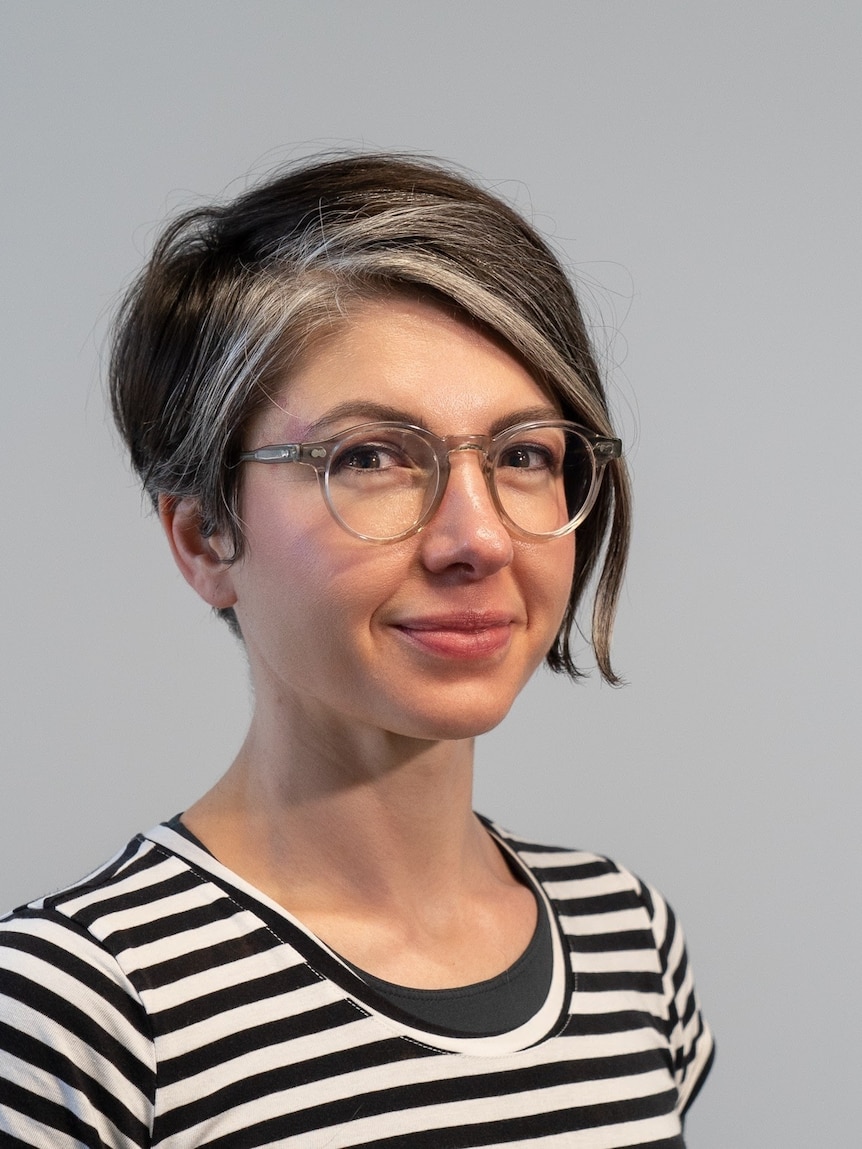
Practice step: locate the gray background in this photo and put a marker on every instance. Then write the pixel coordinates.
(698, 166)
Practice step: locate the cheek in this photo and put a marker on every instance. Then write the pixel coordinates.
(557, 569)
(304, 583)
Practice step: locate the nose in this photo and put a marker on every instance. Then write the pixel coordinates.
(466, 533)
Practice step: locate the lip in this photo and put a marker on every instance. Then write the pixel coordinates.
(464, 635)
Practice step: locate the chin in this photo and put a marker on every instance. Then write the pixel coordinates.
(454, 720)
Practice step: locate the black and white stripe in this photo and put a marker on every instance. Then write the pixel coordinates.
(163, 1001)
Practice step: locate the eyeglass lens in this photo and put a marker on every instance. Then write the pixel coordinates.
(381, 483)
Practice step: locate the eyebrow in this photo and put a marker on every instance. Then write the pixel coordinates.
(370, 412)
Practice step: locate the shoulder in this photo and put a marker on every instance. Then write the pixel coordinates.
(57, 929)
(592, 892)
(585, 882)
(82, 923)
(625, 940)
(146, 907)
(68, 938)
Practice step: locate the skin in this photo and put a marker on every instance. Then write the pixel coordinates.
(375, 666)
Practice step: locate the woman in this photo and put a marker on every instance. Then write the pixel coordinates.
(364, 403)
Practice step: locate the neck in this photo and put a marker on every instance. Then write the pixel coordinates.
(316, 816)
(369, 839)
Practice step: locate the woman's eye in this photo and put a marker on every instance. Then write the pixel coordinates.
(367, 457)
(527, 457)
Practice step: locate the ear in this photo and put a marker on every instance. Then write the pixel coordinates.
(202, 561)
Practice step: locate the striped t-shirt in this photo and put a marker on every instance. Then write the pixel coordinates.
(164, 1001)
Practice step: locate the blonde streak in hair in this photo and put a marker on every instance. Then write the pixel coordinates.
(268, 312)
(261, 315)
(263, 347)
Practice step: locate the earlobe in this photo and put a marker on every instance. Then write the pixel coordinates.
(202, 560)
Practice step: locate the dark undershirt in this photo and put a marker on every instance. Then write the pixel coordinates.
(483, 1009)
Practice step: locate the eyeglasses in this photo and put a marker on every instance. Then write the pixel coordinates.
(383, 481)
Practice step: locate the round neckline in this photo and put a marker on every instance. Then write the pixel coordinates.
(471, 988)
(329, 966)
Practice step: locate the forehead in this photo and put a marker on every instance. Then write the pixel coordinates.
(414, 358)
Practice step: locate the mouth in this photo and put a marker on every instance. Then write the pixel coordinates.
(467, 635)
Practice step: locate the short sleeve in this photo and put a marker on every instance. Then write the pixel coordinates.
(691, 1042)
(77, 1061)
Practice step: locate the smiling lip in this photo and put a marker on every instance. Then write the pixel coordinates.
(470, 635)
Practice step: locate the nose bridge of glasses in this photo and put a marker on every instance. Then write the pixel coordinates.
(462, 446)
(453, 443)
(456, 445)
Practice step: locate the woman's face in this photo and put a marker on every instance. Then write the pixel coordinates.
(430, 637)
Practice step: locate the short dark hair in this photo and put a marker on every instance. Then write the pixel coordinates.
(234, 293)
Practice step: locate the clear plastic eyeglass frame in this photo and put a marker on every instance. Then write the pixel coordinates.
(600, 450)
